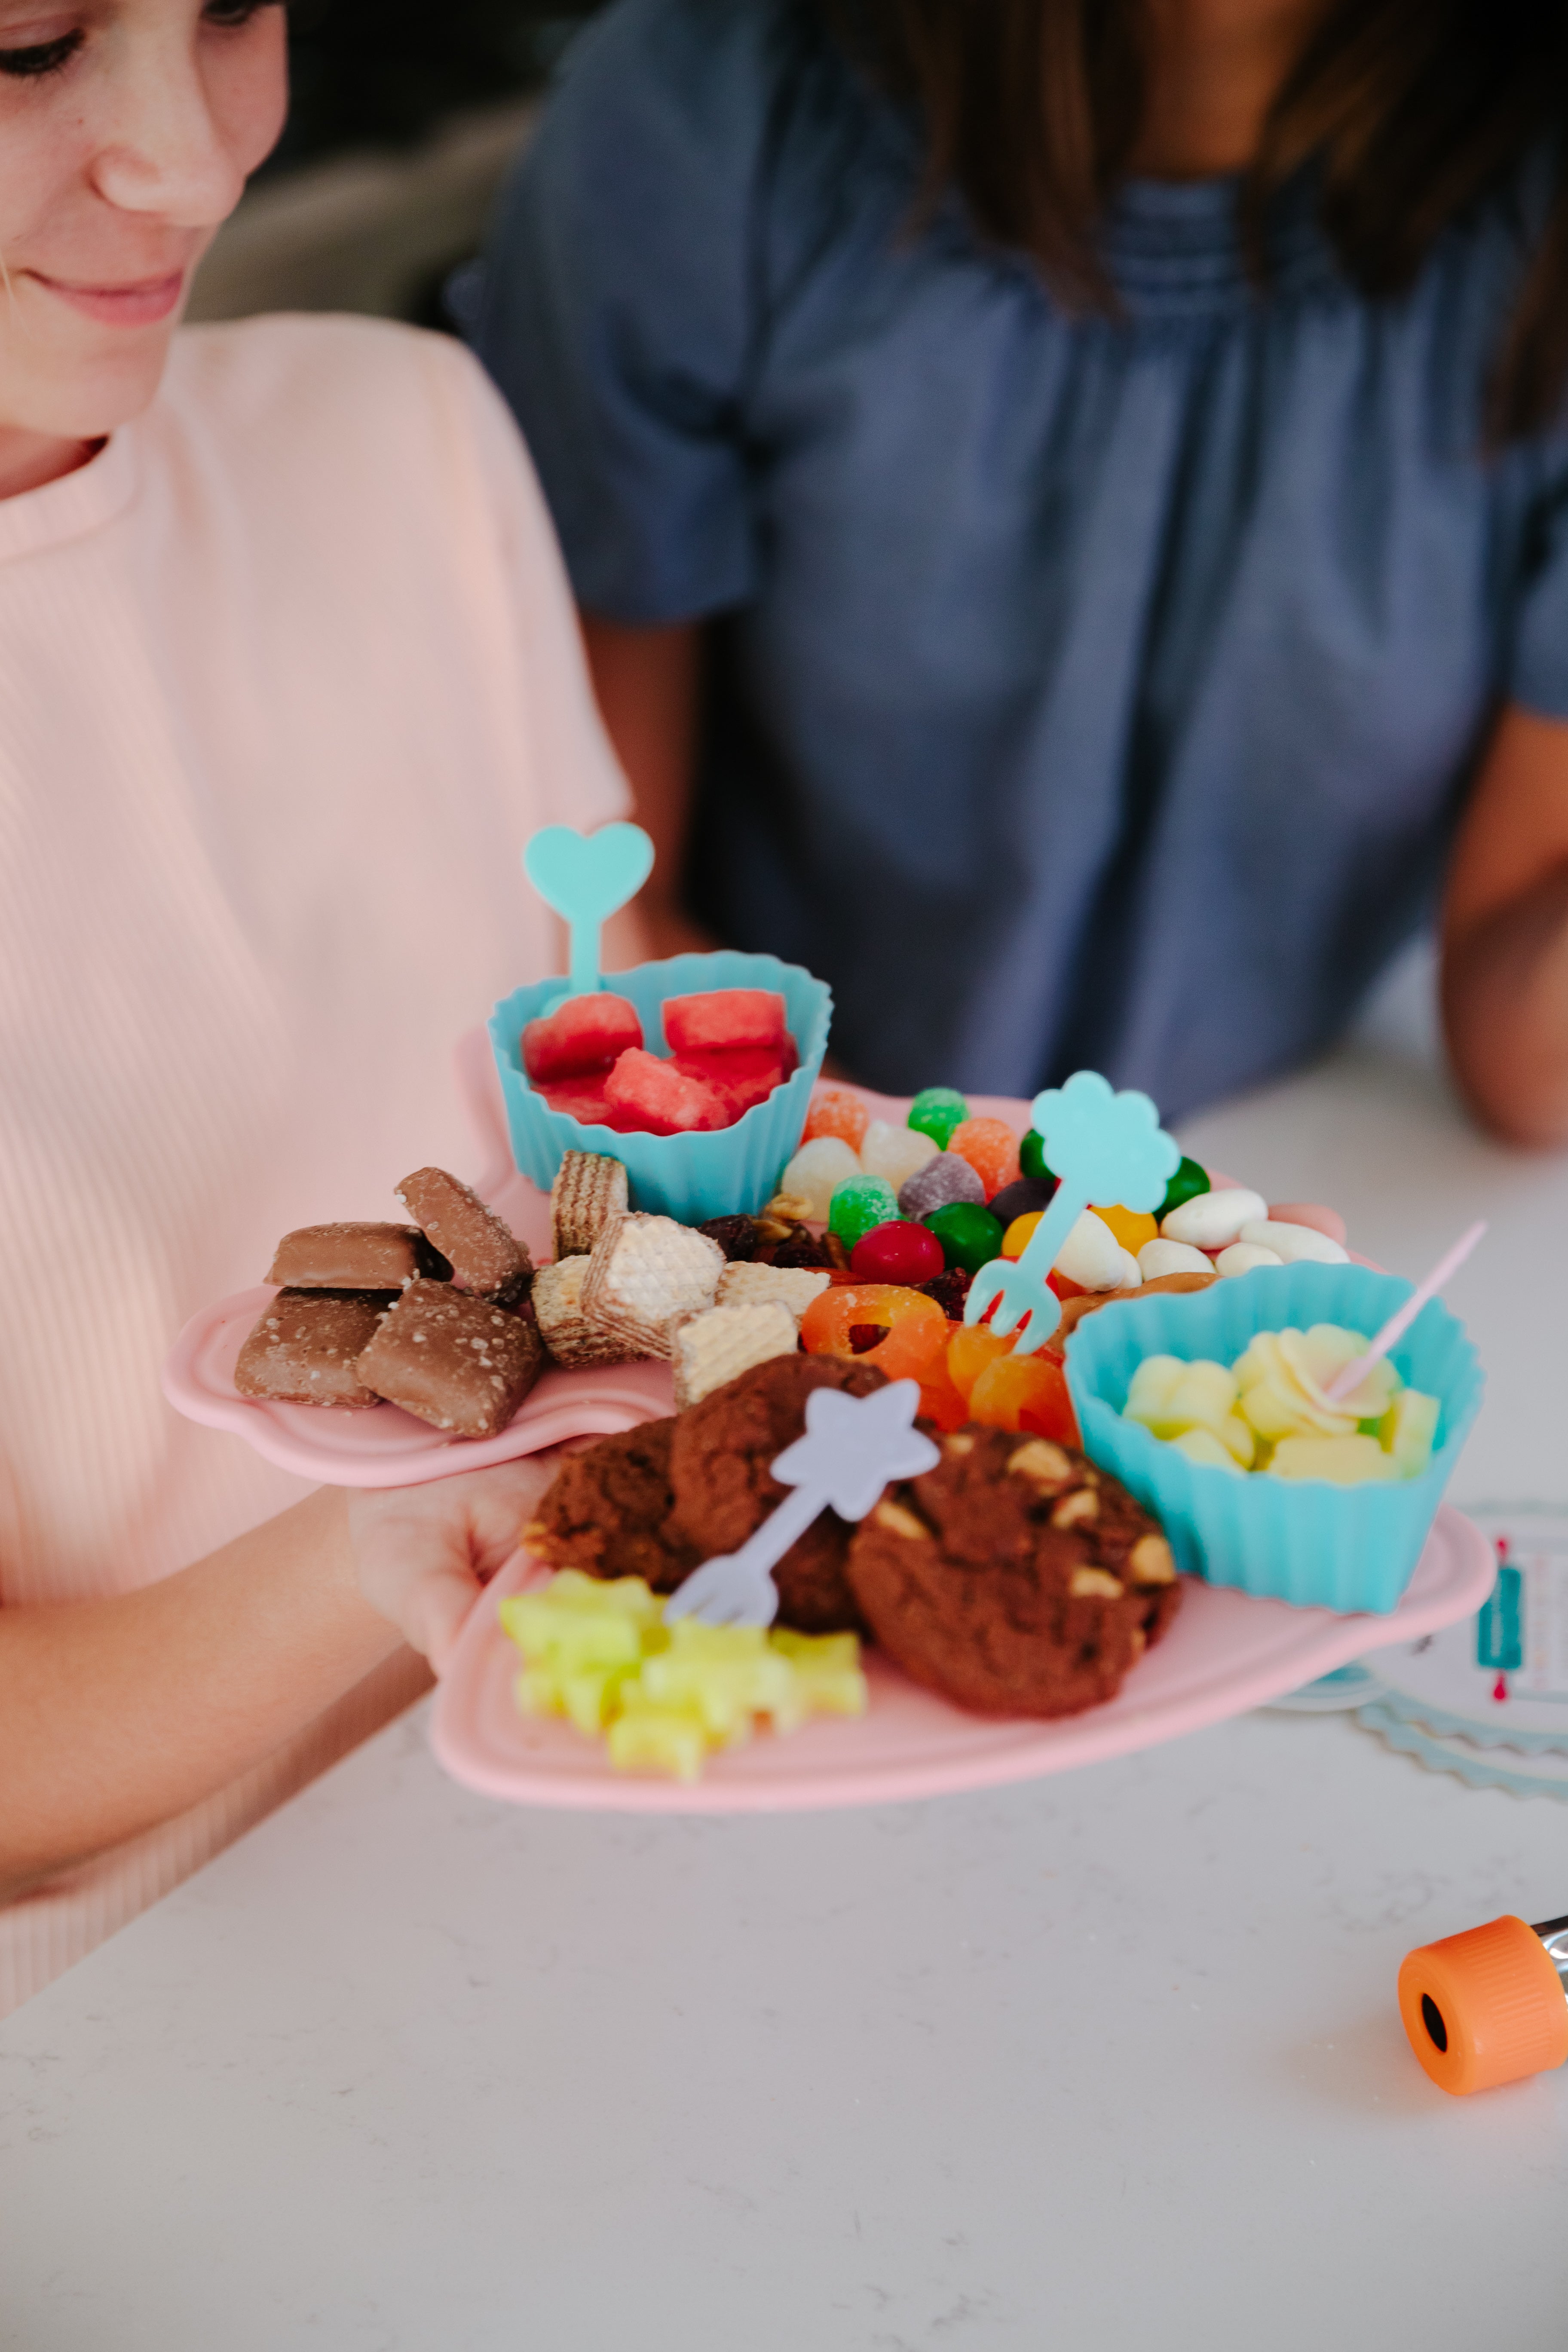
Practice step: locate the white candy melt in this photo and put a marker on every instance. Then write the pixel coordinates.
(1094, 1257)
(1293, 1243)
(1245, 1257)
(1158, 1258)
(1211, 1220)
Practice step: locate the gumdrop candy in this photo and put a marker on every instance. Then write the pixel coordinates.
(817, 1171)
(936, 1111)
(991, 1148)
(1132, 1229)
(1028, 1393)
(722, 1018)
(1023, 1199)
(969, 1349)
(940, 1182)
(580, 1038)
(970, 1237)
(661, 1098)
(858, 1204)
(915, 1327)
(896, 1153)
(1032, 1159)
(899, 1251)
(836, 1111)
(1188, 1181)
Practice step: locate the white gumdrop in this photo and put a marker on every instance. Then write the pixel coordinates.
(1158, 1258)
(1294, 1243)
(1245, 1257)
(1210, 1220)
(817, 1171)
(896, 1153)
(1093, 1256)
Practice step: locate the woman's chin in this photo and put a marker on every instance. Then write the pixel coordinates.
(82, 396)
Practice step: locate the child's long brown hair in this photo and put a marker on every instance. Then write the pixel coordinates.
(1411, 110)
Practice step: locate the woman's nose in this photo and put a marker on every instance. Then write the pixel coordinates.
(167, 154)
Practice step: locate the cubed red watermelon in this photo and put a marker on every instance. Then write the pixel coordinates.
(580, 1038)
(661, 1099)
(722, 1020)
(744, 1076)
(583, 1099)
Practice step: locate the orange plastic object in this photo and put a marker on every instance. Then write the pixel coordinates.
(915, 1325)
(940, 1400)
(835, 1111)
(1020, 1233)
(1484, 2008)
(1130, 1227)
(970, 1348)
(1027, 1393)
(991, 1148)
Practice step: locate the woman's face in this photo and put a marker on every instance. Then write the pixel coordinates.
(127, 128)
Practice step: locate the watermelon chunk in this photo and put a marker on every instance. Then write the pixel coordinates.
(724, 1019)
(660, 1099)
(583, 1099)
(580, 1038)
(744, 1076)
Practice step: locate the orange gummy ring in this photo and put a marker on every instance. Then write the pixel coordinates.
(915, 1325)
(1484, 2008)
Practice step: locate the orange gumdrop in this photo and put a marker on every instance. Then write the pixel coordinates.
(970, 1348)
(941, 1401)
(1029, 1393)
(1131, 1228)
(915, 1325)
(991, 1148)
(835, 1111)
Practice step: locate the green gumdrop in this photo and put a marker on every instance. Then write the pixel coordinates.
(859, 1204)
(936, 1111)
(1032, 1159)
(1188, 1181)
(970, 1236)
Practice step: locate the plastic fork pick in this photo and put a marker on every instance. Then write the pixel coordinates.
(1100, 1146)
(853, 1447)
(1344, 1383)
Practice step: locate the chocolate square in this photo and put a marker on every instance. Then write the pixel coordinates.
(304, 1347)
(461, 1363)
(355, 1258)
(485, 1256)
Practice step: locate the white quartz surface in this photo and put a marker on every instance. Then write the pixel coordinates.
(1108, 2061)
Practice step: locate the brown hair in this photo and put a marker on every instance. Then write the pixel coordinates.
(1410, 109)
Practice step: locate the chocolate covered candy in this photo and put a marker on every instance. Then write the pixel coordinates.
(355, 1258)
(485, 1256)
(305, 1347)
(459, 1363)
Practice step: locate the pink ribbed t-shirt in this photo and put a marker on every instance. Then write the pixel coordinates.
(287, 673)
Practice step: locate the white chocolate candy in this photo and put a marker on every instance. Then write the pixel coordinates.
(895, 1152)
(1244, 1257)
(1094, 1257)
(1158, 1258)
(1209, 1220)
(1293, 1243)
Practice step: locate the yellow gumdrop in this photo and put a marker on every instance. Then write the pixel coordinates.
(1131, 1226)
(1020, 1233)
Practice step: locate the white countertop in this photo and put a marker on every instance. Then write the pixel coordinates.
(1108, 2060)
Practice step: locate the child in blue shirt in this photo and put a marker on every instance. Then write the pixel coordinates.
(1070, 510)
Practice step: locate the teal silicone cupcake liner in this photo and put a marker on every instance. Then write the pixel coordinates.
(1305, 1541)
(692, 1177)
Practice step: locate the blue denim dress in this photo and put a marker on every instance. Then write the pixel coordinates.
(1089, 691)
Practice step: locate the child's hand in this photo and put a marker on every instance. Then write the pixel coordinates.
(422, 1553)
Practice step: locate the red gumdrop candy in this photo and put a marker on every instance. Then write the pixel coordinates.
(899, 1251)
(659, 1098)
(580, 1038)
(741, 1075)
(723, 1019)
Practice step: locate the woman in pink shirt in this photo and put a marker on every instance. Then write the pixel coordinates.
(287, 672)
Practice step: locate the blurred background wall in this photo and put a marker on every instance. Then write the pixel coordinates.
(404, 120)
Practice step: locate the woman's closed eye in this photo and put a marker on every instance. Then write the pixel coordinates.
(33, 58)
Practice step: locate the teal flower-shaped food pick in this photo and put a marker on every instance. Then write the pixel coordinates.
(1100, 1146)
(586, 877)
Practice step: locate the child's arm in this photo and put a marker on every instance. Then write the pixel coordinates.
(646, 682)
(1505, 934)
(116, 1714)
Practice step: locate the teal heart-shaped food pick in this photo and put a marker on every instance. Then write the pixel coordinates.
(586, 877)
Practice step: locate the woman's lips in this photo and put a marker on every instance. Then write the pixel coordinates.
(141, 304)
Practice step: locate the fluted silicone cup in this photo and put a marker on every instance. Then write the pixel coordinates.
(692, 1177)
(1301, 1540)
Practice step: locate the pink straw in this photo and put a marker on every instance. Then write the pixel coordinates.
(1398, 1323)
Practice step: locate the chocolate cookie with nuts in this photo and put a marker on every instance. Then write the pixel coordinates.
(1014, 1577)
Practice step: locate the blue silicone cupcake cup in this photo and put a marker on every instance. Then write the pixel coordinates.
(692, 1177)
(1305, 1541)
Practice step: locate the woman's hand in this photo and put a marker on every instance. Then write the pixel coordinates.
(423, 1553)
